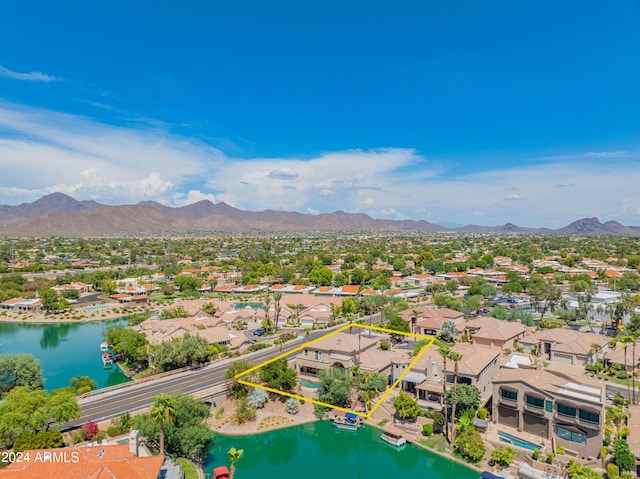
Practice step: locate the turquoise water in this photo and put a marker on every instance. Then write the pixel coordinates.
(309, 384)
(320, 451)
(65, 350)
(239, 306)
(516, 441)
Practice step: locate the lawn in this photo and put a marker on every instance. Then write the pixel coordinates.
(437, 442)
(190, 471)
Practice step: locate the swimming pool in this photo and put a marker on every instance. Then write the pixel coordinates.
(309, 384)
(239, 306)
(516, 441)
(98, 307)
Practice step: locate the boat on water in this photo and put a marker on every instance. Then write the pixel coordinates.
(394, 436)
(221, 472)
(107, 359)
(348, 421)
(104, 346)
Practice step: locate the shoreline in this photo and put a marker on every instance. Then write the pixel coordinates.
(87, 317)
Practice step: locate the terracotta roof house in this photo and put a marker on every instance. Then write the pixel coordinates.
(569, 410)
(157, 330)
(21, 304)
(342, 350)
(94, 462)
(493, 333)
(567, 345)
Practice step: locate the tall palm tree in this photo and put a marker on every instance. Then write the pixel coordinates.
(455, 357)
(444, 352)
(625, 339)
(267, 306)
(634, 336)
(277, 296)
(234, 456)
(163, 413)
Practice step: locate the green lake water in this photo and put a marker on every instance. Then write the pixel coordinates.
(65, 350)
(320, 451)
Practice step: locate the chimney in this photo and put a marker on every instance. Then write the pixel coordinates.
(133, 442)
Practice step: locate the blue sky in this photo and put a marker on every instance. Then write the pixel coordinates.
(465, 112)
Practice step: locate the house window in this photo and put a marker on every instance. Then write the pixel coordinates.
(548, 406)
(306, 352)
(318, 355)
(565, 410)
(589, 416)
(534, 401)
(507, 394)
(572, 436)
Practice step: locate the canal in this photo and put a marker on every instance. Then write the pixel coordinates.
(320, 451)
(66, 350)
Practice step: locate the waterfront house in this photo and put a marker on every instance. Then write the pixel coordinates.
(21, 304)
(343, 350)
(567, 409)
(477, 366)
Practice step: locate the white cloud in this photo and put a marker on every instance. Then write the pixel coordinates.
(283, 174)
(46, 151)
(193, 196)
(32, 76)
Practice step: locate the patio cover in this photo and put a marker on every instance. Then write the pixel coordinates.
(413, 377)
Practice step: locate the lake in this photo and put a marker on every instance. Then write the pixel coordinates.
(320, 451)
(66, 350)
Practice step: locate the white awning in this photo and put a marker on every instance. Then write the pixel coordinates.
(413, 377)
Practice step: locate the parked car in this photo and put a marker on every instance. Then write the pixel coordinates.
(485, 310)
(512, 305)
(259, 332)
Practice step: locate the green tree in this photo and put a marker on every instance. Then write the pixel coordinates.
(188, 284)
(180, 352)
(278, 375)
(82, 384)
(335, 386)
(132, 345)
(20, 370)
(406, 406)
(444, 353)
(467, 397)
(108, 286)
(503, 457)
(545, 296)
(396, 323)
(622, 455)
(50, 301)
(188, 435)
(234, 456)
(23, 409)
(233, 370)
(277, 297)
(162, 412)
(321, 276)
(448, 331)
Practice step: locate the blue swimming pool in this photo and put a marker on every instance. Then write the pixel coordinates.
(516, 441)
(309, 384)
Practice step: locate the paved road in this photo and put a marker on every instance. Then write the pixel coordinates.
(135, 397)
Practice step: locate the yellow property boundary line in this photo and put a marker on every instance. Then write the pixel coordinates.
(339, 330)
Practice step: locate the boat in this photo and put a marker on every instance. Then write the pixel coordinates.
(104, 346)
(107, 358)
(394, 436)
(348, 421)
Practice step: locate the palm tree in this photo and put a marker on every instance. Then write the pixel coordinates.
(444, 352)
(370, 303)
(414, 319)
(162, 412)
(267, 306)
(625, 339)
(455, 357)
(234, 456)
(634, 336)
(277, 296)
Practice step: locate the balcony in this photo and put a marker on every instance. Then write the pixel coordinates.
(534, 408)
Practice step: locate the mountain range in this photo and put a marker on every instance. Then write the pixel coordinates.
(58, 214)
